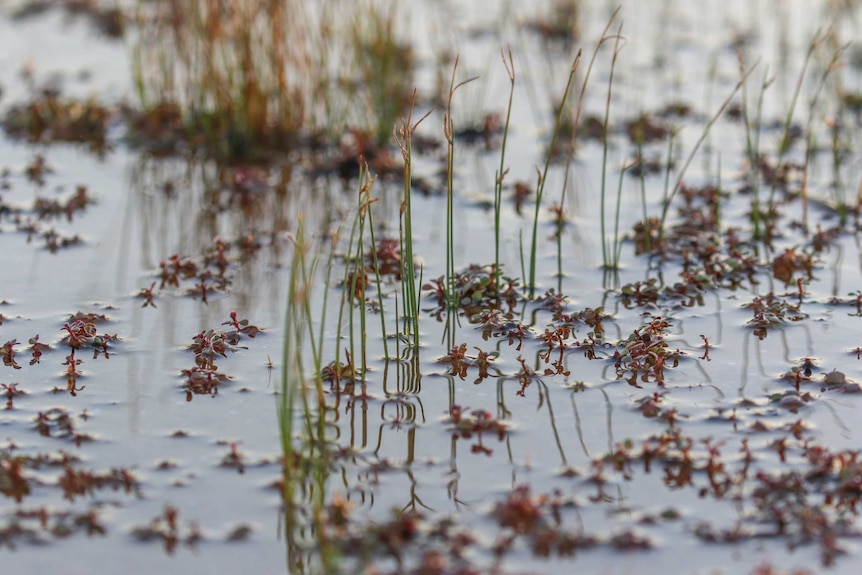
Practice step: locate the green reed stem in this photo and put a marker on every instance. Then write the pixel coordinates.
(608, 261)
(642, 178)
(671, 135)
(502, 171)
(307, 276)
(521, 248)
(449, 133)
(559, 237)
(403, 135)
(618, 245)
(368, 202)
(570, 157)
(669, 195)
(408, 287)
(325, 305)
(786, 139)
(838, 197)
(359, 278)
(718, 201)
(348, 289)
(540, 186)
(752, 146)
(291, 383)
(310, 461)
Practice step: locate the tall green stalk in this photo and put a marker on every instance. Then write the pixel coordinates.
(671, 193)
(609, 261)
(617, 246)
(449, 133)
(365, 188)
(642, 179)
(306, 461)
(349, 288)
(403, 135)
(570, 157)
(503, 170)
(838, 197)
(359, 279)
(786, 138)
(542, 177)
(752, 147)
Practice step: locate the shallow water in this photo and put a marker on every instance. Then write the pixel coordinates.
(403, 454)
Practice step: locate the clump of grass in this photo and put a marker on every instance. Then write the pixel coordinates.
(49, 118)
(403, 134)
(385, 66)
(229, 69)
(249, 79)
(356, 277)
(305, 461)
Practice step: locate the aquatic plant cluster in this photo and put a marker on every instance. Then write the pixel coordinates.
(571, 327)
(204, 378)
